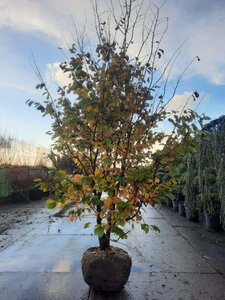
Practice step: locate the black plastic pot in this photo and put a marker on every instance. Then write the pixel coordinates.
(181, 207)
(169, 203)
(192, 216)
(175, 205)
(35, 194)
(213, 221)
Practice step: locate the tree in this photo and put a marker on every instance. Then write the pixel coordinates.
(107, 119)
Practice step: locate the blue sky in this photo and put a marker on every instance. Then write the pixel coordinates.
(39, 27)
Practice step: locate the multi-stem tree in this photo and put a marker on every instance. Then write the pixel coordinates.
(107, 118)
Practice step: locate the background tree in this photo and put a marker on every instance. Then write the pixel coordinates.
(107, 118)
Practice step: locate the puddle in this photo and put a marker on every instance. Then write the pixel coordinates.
(76, 265)
(137, 269)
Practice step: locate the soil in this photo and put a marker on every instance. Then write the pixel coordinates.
(16, 219)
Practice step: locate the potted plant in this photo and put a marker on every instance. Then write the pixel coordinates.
(165, 196)
(178, 176)
(191, 189)
(210, 175)
(221, 188)
(221, 167)
(181, 205)
(210, 198)
(106, 121)
(173, 175)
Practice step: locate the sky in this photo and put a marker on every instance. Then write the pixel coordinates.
(37, 28)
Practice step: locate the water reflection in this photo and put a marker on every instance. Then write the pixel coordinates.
(137, 269)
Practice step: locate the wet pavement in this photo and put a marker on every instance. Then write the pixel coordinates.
(183, 261)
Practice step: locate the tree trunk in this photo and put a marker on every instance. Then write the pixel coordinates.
(104, 241)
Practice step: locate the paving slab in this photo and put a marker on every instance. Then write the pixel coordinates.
(209, 244)
(151, 212)
(46, 253)
(165, 228)
(174, 218)
(44, 262)
(65, 226)
(170, 254)
(42, 286)
(158, 286)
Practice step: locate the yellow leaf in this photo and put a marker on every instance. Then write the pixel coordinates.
(60, 205)
(98, 172)
(146, 195)
(68, 201)
(101, 215)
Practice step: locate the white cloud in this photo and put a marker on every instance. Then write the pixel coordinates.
(55, 74)
(200, 22)
(50, 19)
(184, 101)
(178, 102)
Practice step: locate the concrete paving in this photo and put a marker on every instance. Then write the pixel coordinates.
(183, 261)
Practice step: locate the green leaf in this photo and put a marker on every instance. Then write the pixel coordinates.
(51, 203)
(99, 231)
(30, 102)
(118, 231)
(108, 143)
(117, 179)
(172, 121)
(89, 85)
(86, 180)
(145, 228)
(78, 187)
(122, 205)
(86, 225)
(62, 173)
(123, 182)
(86, 199)
(37, 180)
(111, 192)
(155, 228)
(170, 196)
(96, 201)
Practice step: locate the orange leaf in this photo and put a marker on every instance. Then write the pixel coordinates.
(116, 200)
(77, 177)
(108, 202)
(87, 188)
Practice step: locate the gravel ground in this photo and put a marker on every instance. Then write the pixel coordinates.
(20, 218)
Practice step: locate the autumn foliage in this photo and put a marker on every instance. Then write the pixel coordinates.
(107, 121)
